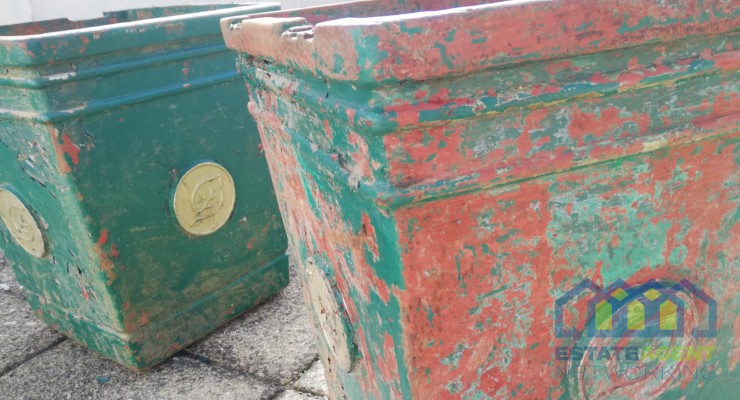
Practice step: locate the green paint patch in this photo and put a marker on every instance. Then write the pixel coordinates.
(484, 299)
(453, 360)
(516, 391)
(376, 330)
(678, 256)
(508, 235)
(492, 293)
(426, 139)
(411, 31)
(584, 26)
(700, 65)
(460, 278)
(583, 227)
(339, 65)
(445, 57)
(454, 386)
(645, 22)
(430, 315)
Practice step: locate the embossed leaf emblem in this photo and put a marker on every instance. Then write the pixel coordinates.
(207, 198)
(20, 224)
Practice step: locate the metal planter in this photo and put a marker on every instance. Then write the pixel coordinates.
(137, 205)
(476, 195)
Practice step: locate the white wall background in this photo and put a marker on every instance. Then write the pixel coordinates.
(17, 11)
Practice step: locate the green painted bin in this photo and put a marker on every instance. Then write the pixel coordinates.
(527, 199)
(136, 202)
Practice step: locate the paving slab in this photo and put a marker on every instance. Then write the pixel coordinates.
(275, 341)
(269, 353)
(294, 395)
(22, 335)
(71, 372)
(313, 381)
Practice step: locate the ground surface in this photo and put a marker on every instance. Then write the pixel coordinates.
(268, 353)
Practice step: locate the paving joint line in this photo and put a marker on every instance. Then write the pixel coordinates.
(207, 361)
(14, 366)
(275, 396)
(301, 375)
(274, 383)
(312, 394)
(305, 369)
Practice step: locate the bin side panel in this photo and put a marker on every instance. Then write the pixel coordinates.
(98, 127)
(129, 161)
(512, 251)
(326, 218)
(34, 163)
(591, 141)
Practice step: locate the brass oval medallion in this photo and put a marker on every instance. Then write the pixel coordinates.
(331, 316)
(204, 198)
(21, 224)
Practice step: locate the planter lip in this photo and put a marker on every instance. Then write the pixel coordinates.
(420, 45)
(61, 45)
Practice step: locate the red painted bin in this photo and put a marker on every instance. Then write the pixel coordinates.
(525, 199)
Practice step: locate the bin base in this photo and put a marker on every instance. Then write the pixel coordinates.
(156, 341)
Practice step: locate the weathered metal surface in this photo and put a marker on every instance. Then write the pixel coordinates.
(128, 145)
(462, 171)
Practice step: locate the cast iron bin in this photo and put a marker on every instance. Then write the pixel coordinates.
(104, 125)
(473, 194)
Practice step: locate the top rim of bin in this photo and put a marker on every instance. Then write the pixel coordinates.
(60, 45)
(460, 40)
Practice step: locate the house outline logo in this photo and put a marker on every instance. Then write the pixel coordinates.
(650, 309)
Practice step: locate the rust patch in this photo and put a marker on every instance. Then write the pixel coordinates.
(59, 150)
(106, 264)
(85, 41)
(114, 251)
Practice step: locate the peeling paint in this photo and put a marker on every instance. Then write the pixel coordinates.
(459, 173)
(61, 76)
(95, 130)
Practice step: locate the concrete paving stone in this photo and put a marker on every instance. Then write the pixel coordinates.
(7, 277)
(274, 341)
(293, 395)
(313, 381)
(71, 372)
(21, 334)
